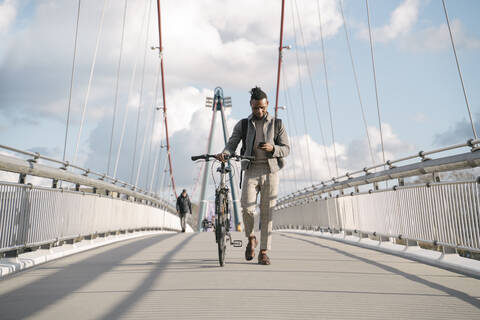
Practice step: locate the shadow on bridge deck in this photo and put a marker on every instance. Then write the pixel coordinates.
(177, 276)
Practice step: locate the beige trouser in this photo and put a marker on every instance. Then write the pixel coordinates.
(258, 179)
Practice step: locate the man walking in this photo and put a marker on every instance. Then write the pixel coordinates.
(265, 138)
(184, 206)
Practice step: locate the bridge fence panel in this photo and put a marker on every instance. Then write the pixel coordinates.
(32, 216)
(446, 214)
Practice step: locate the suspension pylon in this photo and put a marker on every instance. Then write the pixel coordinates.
(218, 103)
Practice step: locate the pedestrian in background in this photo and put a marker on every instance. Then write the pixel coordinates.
(184, 206)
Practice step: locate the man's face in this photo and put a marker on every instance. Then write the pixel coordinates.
(184, 193)
(259, 107)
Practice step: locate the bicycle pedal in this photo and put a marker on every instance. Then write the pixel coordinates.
(237, 243)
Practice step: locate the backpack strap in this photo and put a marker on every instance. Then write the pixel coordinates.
(278, 124)
(244, 136)
(244, 144)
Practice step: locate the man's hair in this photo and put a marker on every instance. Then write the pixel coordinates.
(257, 94)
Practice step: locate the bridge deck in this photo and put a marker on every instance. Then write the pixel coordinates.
(177, 276)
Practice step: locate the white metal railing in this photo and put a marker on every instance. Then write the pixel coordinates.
(31, 216)
(446, 214)
(31, 167)
(392, 170)
(81, 177)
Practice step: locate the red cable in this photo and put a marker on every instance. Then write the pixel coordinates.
(163, 95)
(279, 59)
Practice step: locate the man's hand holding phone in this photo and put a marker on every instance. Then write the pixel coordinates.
(265, 147)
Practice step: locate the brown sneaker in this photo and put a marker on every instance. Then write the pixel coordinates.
(250, 250)
(263, 258)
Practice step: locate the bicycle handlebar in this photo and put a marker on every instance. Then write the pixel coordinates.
(233, 156)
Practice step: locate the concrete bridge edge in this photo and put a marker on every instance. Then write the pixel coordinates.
(450, 261)
(9, 266)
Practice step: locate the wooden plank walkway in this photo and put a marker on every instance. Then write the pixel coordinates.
(176, 276)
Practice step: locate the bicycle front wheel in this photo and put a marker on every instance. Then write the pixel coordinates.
(221, 229)
(221, 248)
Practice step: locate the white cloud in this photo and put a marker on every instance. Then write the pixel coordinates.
(351, 157)
(434, 38)
(201, 48)
(438, 38)
(236, 46)
(186, 105)
(8, 13)
(393, 145)
(458, 132)
(402, 20)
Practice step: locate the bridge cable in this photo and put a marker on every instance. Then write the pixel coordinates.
(154, 120)
(301, 97)
(327, 87)
(154, 170)
(161, 188)
(142, 152)
(71, 80)
(197, 180)
(145, 135)
(154, 180)
(164, 100)
(165, 183)
(459, 71)
(289, 129)
(130, 93)
(161, 146)
(157, 156)
(89, 86)
(141, 92)
(375, 80)
(280, 48)
(294, 122)
(307, 60)
(345, 27)
(116, 86)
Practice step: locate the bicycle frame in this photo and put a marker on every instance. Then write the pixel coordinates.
(222, 210)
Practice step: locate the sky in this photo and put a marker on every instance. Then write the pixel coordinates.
(234, 45)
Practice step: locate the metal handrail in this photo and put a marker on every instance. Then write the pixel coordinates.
(426, 165)
(66, 164)
(29, 167)
(310, 197)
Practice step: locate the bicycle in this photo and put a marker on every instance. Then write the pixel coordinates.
(222, 211)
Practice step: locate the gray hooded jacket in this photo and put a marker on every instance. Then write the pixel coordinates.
(281, 147)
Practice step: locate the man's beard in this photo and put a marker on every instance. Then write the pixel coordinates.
(260, 118)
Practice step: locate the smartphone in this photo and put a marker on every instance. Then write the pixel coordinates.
(260, 144)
